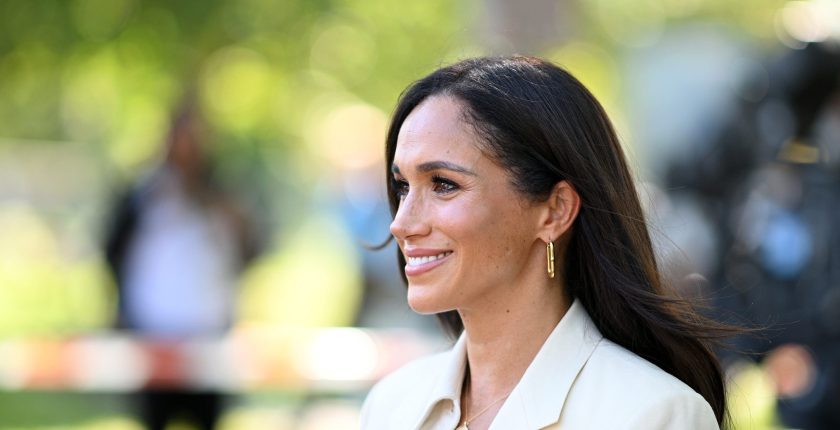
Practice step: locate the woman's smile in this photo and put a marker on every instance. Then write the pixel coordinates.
(421, 260)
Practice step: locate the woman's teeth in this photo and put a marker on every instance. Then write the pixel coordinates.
(416, 261)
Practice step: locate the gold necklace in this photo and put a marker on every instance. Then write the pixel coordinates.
(467, 421)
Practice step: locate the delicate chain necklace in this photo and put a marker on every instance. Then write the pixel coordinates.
(467, 421)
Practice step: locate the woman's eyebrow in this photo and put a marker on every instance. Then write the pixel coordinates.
(444, 165)
(430, 166)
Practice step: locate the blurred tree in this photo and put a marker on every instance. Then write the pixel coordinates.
(96, 79)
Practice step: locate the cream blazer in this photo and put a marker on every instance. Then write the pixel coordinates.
(578, 380)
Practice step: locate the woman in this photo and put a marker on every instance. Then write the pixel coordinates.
(519, 225)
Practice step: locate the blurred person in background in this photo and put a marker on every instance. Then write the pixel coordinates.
(769, 180)
(176, 245)
(519, 225)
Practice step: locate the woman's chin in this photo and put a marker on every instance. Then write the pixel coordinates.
(425, 304)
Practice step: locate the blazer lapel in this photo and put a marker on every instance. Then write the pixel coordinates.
(445, 377)
(538, 399)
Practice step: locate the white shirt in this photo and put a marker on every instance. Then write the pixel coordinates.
(181, 267)
(578, 380)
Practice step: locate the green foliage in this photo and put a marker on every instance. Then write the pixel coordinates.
(106, 75)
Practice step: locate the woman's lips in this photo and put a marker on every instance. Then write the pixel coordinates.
(416, 265)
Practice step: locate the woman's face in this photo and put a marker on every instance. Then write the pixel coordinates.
(466, 234)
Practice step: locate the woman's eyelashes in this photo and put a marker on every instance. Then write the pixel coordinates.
(439, 185)
(400, 187)
(442, 185)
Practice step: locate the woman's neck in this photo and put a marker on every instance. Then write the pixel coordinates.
(504, 335)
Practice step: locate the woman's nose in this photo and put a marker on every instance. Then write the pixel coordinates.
(409, 220)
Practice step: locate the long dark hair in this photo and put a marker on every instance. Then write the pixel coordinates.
(544, 126)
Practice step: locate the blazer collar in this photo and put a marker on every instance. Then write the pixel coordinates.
(540, 395)
(538, 398)
(444, 384)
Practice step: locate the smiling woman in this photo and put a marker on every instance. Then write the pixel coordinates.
(498, 168)
(451, 197)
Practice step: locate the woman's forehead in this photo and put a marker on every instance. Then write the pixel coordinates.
(436, 127)
(436, 115)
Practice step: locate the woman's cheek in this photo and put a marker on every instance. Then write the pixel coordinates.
(451, 219)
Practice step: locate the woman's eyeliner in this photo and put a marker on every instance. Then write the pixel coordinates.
(443, 185)
(400, 187)
(440, 185)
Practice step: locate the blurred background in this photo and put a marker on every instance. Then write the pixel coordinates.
(239, 144)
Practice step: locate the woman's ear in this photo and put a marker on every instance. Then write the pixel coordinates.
(562, 207)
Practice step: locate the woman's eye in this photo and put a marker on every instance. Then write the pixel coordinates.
(400, 188)
(443, 185)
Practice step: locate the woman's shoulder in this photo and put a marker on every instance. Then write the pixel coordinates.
(616, 362)
(616, 384)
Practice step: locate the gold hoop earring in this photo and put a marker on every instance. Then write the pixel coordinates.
(549, 258)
